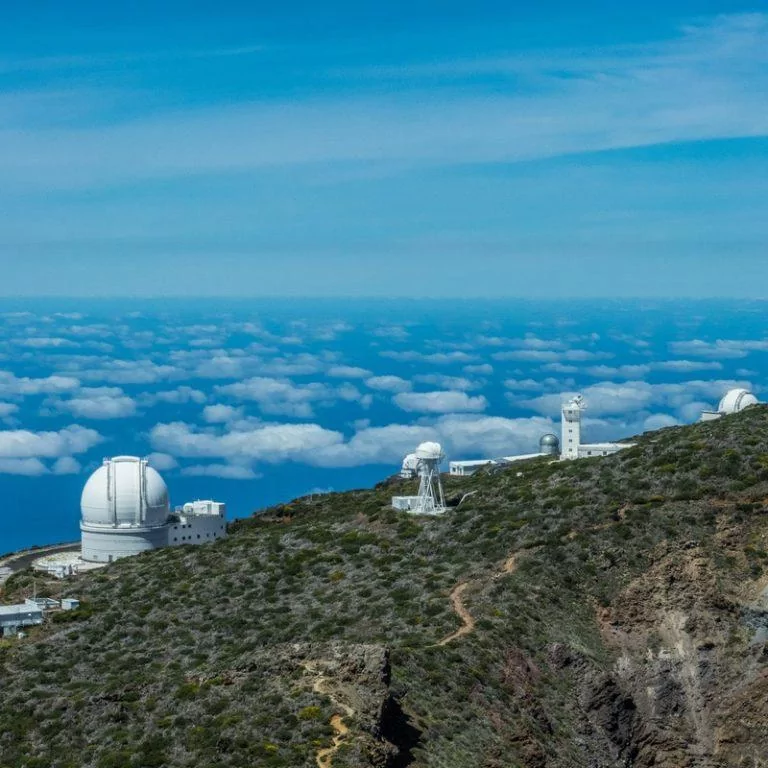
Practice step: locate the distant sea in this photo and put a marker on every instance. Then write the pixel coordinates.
(255, 402)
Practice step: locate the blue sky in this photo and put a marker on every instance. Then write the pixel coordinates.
(439, 149)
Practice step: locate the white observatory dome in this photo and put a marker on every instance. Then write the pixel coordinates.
(430, 451)
(736, 400)
(125, 491)
(410, 462)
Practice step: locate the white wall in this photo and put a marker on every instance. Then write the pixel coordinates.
(103, 545)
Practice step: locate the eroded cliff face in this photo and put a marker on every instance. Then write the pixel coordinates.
(689, 684)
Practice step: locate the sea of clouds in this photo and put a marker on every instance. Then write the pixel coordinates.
(260, 402)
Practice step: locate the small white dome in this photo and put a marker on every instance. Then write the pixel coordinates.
(430, 451)
(411, 461)
(125, 491)
(736, 400)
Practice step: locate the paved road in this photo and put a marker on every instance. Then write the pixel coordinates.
(22, 560)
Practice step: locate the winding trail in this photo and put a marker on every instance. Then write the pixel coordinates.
(460, 609)
(324, 756)
(467, 622)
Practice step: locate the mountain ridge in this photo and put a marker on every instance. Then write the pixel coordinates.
(602, 612)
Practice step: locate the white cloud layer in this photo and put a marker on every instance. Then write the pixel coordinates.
(226, 471)
(439, 402)
(22, 443)
(311, 444)
(388, 384)
(99, 403)
(66, 465)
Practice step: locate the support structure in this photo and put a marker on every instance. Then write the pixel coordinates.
(431, 497)
(424, 462)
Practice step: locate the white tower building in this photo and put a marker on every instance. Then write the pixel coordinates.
(424, 462)
(431, 500)
(571, 427)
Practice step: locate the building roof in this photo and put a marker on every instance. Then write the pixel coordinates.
(15, 610)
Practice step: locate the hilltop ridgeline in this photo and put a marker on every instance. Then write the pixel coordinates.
(602, 612)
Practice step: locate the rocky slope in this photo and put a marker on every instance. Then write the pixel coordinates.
(606, 612)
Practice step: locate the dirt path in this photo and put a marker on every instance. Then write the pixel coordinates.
(509, 566)
(324, 757)
(457, 602)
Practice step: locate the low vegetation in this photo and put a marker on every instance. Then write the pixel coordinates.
(192, 656)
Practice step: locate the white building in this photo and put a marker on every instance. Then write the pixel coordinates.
(15, 617)
(548, 446)
(125, 511)
(733, 401)
(571, 445)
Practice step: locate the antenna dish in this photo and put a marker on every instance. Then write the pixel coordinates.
(577, 401)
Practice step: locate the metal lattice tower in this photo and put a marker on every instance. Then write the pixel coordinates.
(431, 500)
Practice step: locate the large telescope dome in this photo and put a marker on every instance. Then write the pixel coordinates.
(125, 492)
(736, 400)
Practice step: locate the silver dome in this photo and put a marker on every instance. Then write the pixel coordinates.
(550, 444)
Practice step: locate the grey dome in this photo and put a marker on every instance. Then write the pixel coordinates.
(549, 443)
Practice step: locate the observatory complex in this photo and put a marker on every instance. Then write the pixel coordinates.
(568, 447)
(125, 511)
(733, 401)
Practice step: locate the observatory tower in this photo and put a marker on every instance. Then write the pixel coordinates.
(571, 426)
(734, 401)
(431, 498)
(423, 463)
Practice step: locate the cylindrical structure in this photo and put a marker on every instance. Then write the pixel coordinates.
(571, 428)
(125, 508)
(103, 545)
(549, 445)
